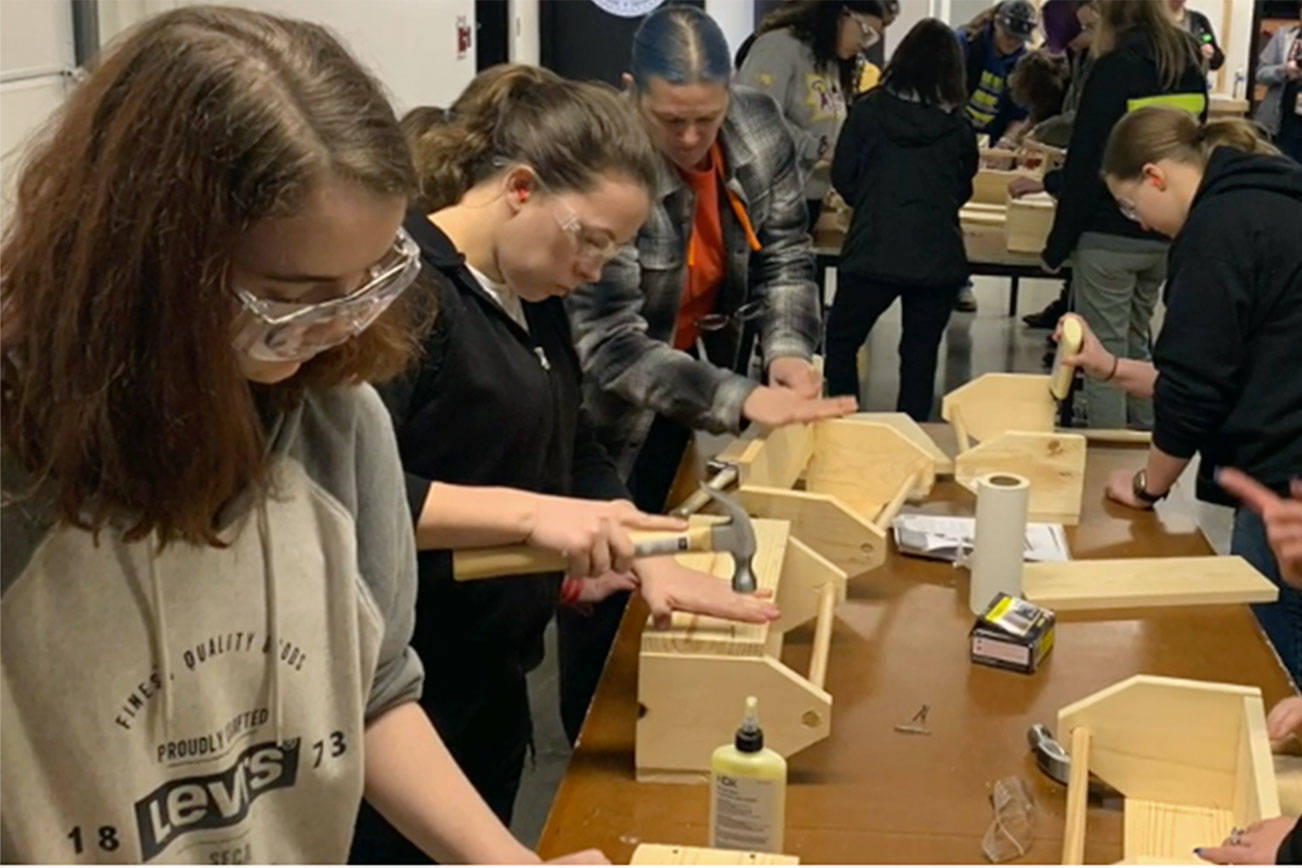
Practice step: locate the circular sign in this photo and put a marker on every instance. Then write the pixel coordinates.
(628, 8)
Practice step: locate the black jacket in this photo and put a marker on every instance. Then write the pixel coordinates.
(489, 404)
(1201, 30)
(1229, 357)
(906, 169)
(1118, 80)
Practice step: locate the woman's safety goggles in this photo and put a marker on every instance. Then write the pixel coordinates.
(282, 331)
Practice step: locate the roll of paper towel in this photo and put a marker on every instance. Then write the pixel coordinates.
(1000, 538)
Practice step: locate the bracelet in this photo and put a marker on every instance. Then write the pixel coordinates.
(1116, 360)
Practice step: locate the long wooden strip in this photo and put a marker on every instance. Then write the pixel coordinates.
(1140, 582)
(1078, 786)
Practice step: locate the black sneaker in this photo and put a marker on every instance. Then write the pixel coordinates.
(1047, 318)
(965, 301)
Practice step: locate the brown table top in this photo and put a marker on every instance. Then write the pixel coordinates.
(869, 794)
(985, 244)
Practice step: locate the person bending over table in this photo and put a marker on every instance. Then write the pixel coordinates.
(1226, 380)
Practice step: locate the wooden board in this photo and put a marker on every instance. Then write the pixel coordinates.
(1164, 831)
(824, 522)
(1140, 582)
(690, 704)
(804, 574)
(991, 185)
(905, 424)
(666, 854)
(1178, 742)
(1029, 220)
(705, 634)
(994, 403)
(865, 464)
(1053, 463)
(778, 457)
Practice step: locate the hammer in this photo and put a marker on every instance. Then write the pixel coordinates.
(736, 537)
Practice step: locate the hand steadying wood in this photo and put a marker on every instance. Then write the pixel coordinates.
(736, 536)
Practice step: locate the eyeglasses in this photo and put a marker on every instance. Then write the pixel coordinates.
(869, 35)
(591, 249)
(282, 331)
(748, 312)
(1127, 210)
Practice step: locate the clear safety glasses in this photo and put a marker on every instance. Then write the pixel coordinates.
(281, 331)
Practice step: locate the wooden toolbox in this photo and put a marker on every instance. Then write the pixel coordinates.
(853, 475)
(694, 676)
(1191, 758)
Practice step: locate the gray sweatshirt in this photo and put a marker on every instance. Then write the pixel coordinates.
(812, 103)
(204, 704)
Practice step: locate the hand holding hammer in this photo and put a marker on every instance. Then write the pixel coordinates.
(736, 536)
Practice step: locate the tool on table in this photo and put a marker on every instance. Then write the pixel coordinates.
(916, 725)
(723, 474)
(736, 537)
(1054, 761)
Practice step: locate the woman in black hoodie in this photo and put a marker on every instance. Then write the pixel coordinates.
(1227, 378)
(526, 189)
(904, 162)
(1144, 58)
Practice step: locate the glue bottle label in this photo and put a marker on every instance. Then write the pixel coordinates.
(744, 814)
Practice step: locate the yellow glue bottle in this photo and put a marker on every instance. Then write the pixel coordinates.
(748, 790)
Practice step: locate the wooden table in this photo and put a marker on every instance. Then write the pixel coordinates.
(987, 255)
(869, 794)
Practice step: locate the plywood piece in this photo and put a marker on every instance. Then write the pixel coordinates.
(905, 424)
(667, 854)
(689, 632)
(777, 458)
(1139, 582)
(1029, 220)
(690, 704)
(991, 185)
(1288, 778)
(1165, 831)
(1053, 463)
(865, 463)
(1119, 436)
(1256, 795)
(994, 403)
(805, 574)
(824, 522)
(1175, 741)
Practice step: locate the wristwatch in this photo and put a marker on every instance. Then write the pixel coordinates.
(1139, 486)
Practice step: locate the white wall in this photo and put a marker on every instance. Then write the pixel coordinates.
(36, 58)
(736, 18)
(410, 45)
(1236, 43)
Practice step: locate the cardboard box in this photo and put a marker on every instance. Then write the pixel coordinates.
(1012, 634)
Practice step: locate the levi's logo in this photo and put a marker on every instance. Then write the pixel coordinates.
(214, 801)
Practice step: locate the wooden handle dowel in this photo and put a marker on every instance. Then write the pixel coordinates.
(960, 430)
(498, 561)
(697, 500)
(822, 635)
(890, 510)
(1078, 787)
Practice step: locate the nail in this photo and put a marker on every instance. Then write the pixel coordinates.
(1198, 851)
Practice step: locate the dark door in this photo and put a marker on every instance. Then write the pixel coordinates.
(492, 33)
(579, 39)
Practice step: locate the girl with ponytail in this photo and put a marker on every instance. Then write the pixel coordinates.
(527, 187)
(1226, 376)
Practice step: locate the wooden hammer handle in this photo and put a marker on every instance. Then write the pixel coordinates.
(498, 561)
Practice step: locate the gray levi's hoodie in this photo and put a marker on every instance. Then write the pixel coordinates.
(205, 704)
(812, 103)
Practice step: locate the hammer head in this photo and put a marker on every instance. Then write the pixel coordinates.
(737, 537)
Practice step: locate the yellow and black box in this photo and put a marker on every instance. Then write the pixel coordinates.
(1012, 634)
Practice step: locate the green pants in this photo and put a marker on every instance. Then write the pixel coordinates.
(1115, 283)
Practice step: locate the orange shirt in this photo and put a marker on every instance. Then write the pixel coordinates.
(705, 254)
